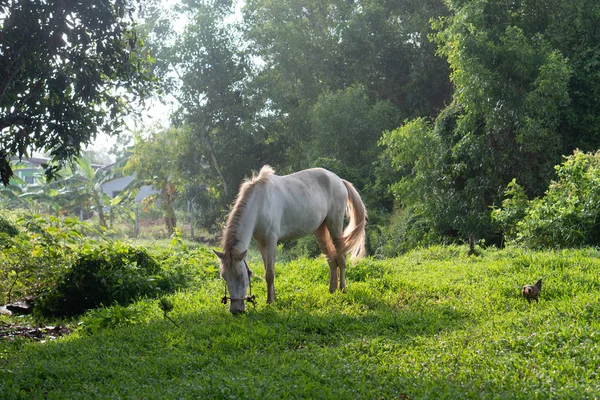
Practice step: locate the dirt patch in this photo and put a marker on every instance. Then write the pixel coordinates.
(35, 333)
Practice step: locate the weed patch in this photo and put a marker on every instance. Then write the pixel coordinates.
(431, 324)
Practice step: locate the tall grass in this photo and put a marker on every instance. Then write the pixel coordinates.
(435, 323)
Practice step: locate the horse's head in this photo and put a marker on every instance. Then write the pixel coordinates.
(236, 273)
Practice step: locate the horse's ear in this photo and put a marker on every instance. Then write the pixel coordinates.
(239, 256)
(219, 254)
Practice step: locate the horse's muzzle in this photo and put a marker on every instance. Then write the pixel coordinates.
(237, 307)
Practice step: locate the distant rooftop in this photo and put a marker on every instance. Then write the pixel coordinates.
(38, 161)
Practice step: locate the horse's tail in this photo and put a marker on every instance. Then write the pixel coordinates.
(353, 241)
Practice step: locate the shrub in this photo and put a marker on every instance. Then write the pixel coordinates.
(568, 215)
(183, 266)
(69, 273)
(102, 275)
(306, 246)
(513, 210)
(405, 231)
(7, 231)
(444, 184)
(33, 259)
(7, 227)
(115, 316)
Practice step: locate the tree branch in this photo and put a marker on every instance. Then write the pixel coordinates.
(8, 80)
(215, 162)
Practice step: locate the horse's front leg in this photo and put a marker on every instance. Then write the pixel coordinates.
(333, 278)
(270, 278)
(267, 250)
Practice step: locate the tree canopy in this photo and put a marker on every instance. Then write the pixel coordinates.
(431, 107)
(296, 85)
(68, 71)
(155, 162)
(518, 106)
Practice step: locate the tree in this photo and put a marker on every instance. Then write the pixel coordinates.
(512, 98)
(348, 125)
(212, 64)
(10, 194)
(90, 189)
(53, 197)
(68, 70)
(385, 47)
(512, 91)
(155, 162)
(76, 189)
(311, 48)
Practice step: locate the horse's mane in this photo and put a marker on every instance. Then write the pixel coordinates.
(241, 201)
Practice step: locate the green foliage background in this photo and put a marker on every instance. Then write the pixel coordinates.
(431, 108)
(568, 213)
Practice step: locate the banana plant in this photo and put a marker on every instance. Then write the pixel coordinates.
(10, 194)
(77, 188)
(91, 192)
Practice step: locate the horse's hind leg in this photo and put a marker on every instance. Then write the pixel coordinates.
(326, 246)
(341, 262)
(336, 232)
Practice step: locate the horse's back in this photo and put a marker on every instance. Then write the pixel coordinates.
(297, 204)
(315, 185)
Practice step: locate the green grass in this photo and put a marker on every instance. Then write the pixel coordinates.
(432, 324)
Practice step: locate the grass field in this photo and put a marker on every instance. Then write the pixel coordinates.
(433, 324)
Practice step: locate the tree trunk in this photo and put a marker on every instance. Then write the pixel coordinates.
(215, 162)
(136, 226)
(101, 217)
(168, 198)
(191, 211)
(98, 205)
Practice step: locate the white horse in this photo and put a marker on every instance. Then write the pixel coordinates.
(270, 208)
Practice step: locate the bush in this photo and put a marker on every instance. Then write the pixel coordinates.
(568, 215)
(111, 317)
(184, 265)
(102, 275)
(306, 246)
(444, 184)
(513, 210)
(32, 260)
(405, 231)
(68, 273)
(7, 227)
(7, 231)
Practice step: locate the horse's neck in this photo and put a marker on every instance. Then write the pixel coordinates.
(248, 219)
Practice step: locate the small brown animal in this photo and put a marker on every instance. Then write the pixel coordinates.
(531, 292)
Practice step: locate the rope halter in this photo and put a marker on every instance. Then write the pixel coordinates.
(250, 298)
